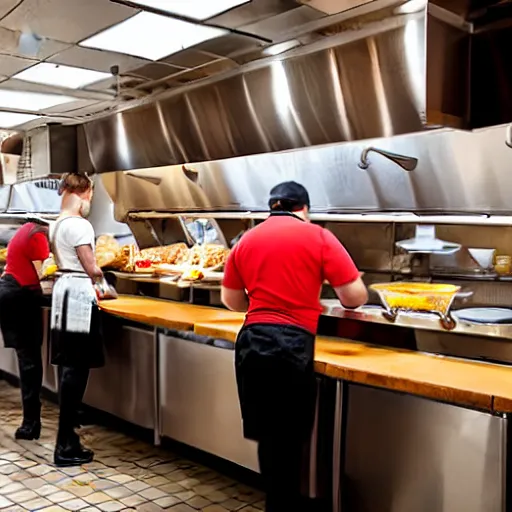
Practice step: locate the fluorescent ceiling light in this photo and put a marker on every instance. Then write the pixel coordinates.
(151, 37)
(196, 9)
(10, 119)
(61, 76)
(31, 100)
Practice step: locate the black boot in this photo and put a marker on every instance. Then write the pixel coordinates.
(29, 431)
(71, 453)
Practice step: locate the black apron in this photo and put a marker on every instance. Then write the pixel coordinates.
(21, 314)
(276, 381)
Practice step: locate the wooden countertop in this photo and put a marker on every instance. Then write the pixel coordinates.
(477, 385)
(164, 313)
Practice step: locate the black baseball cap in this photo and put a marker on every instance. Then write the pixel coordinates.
(288, 196)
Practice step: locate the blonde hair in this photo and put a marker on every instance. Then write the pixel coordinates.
(75, 183)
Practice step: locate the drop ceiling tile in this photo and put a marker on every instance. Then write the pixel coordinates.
(99, 60)
(10, 65)
(189, 59)
(11, 44)
(277, 26)
(66, 20)
(6, 6)
(253, 12)
(71, 107)
(156, 71)
(229, 44)
(48, 48)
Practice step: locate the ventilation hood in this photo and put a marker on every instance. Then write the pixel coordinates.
(391, 71)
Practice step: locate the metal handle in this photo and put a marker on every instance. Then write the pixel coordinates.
(464, 295)
(408, 163)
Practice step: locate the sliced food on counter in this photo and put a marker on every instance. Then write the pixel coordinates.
(169, 254)
(208, 256)
(192, 275)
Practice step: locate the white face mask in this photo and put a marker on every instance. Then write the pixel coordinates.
(85, 209)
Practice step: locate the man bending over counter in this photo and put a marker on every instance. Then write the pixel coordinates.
(275, 273)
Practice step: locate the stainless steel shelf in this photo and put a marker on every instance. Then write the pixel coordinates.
(422, 321)
(374, 217)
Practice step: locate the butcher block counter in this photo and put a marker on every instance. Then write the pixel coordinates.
(482, 386)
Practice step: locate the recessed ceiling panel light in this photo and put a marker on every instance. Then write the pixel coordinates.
(10, 119)
(196, 9)
(151, 37)
(31, 100)
(61, 76)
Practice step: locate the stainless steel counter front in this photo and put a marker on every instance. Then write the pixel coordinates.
(199, 400)
(126, 386)
(404, 453)
(422, 321)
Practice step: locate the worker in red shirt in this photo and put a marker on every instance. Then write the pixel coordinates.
(275, 273)
(21, 318)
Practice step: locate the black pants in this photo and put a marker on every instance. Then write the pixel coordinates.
(277, 391)
(73, 384)
(280, 465)
(30, 366)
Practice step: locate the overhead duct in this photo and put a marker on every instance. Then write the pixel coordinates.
(382, 74)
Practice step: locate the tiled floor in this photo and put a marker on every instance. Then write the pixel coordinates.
(127, 474)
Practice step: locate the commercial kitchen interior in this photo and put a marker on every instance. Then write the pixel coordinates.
(395, 115)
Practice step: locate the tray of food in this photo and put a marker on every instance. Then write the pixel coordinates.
(176, 263)
(419, 297)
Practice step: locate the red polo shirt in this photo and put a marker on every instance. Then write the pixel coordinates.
(282, 264)
(25, 247)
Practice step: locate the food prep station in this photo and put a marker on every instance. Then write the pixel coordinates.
(169, 353)
(413, 408)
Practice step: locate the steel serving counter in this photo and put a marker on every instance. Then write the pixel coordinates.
(408, 430)
(395, 430)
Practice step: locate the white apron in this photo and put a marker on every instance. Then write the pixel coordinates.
(73, 297)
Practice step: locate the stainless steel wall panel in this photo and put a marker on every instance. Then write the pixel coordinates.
(457, 172)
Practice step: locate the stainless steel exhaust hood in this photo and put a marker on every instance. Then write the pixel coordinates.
(379, 75)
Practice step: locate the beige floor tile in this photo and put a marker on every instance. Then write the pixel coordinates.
(166, 502)
(199, 503)
(96, 498)
(60, 497)
(74, 505)
(133, 501)
(37, 504)
(127, 475)
(22, 496)
(111, 506)
(4, 502)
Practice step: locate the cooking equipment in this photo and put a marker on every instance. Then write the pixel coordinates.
(418, 297)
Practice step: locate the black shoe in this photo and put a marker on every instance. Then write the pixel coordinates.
(69, 456)
(29, 431)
